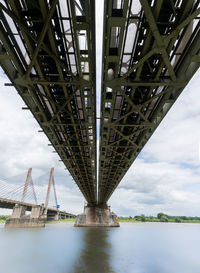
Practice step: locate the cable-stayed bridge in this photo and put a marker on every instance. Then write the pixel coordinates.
(150, 52)
(22, 198)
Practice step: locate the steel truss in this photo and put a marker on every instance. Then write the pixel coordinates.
(47, 49)
(151, 50)
(150, 53)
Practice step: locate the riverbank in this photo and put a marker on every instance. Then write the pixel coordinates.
(157, 220)
(126, 221)
(63, 220)
(139, 221)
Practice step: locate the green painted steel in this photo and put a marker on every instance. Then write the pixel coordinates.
(150, 52)
(47, 49)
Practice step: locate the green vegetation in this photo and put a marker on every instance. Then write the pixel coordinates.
(177, 219)
(63, 220)
(3, 218)
(161, 217)
(138, 219)
(142, 218)
(67, 220)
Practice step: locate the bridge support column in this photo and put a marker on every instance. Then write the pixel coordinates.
(53, 216)
(19, 219)
(37, 217)
(97, 216)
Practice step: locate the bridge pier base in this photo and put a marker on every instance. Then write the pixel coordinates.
(97, 216)
(19, 219)
(53, 216)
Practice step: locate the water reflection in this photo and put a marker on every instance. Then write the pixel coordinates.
(132, 248)
(96, 253)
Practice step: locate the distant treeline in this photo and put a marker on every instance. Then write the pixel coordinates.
(4, 217)
(161, 217)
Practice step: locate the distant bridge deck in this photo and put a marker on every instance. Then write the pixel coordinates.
(9, 204)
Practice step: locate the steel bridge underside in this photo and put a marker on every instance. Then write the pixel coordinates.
(47, 50)
(150, 52)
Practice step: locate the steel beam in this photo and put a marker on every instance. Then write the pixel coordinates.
(48, 53)
(142, 77)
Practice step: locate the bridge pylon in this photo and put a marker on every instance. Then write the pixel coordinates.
(40, 214)
(51, 215)
(19, 219)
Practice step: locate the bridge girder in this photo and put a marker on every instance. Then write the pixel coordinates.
(47, 49)
(150, 53)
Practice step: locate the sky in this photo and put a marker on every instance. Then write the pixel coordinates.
(165, 177)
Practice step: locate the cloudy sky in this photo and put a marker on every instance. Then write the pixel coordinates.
(165, 177)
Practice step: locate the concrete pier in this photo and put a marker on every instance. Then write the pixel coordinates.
(19, 219)
(53, 216)
(97, 216)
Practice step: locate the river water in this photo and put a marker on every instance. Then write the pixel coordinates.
(134, 248)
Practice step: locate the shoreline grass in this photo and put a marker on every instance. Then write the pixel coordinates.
(63, 220)
(137, 221)
(157, 221)
(126, 221)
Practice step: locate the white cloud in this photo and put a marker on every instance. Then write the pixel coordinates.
(22, 147)
(177, 138)
(164, 178)
(166, 175)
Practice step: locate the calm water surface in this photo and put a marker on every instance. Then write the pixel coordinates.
(134, 248)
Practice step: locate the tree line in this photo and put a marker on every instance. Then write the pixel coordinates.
(3, 217)
(161, 217)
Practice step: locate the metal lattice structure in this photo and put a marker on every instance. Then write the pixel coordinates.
(47, 50)
(150, 53)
